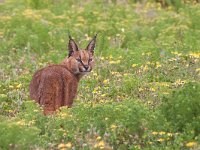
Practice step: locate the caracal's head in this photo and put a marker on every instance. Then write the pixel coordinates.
(80, 61)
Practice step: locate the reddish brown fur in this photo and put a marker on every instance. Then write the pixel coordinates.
(56, 85)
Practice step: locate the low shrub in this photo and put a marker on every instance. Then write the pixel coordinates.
(17, 135)
(181, 109)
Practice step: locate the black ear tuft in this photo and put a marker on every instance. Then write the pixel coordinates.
(72, 46)
(91, 45)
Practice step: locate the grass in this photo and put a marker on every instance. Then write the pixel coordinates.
(142, 94)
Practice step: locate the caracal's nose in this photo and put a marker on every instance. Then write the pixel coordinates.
(86, 67)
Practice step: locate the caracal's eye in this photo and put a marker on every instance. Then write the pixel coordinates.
(90, 60)
(79, 60)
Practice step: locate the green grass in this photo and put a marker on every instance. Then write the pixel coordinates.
(142, 94)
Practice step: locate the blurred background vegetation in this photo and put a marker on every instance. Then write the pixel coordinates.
(142, 94)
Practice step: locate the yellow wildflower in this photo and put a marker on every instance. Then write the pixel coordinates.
(103, 95)
(101, 145)
(101, 101)
(61, 145)
(180, 82)
(94, 91)
(98, 138)
(95, 74)
(148, 63)
(114, 62)
(62, 40)
(118, 34)
(169, 134)
(169, 7)
(31, 122)
(198, 69)
(176, 53)
(21, 122)
(64, 134)
(63, 115)
(61, 129)
(106, 81)
(154, 133)
(114, 73)
(140, 89)
(137, 146)
(172, 59)
(163, 84)
(110, 57)
(80, 19)
(35, 110)
(31, 14)
(5, 18)
(1, 34)
(19, 86)
(194, 55)
(59, 17)
(134, 65)
(3, 95)
(160, 140)
(166, 93)
(152, 89)
(113, 126)
(64, 146)
(145, 68)
(191, 144)
(148, 53)
(11, 86)
(162, 132)
(68, 145)
(158, 65)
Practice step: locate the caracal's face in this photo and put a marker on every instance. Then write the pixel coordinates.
(83, 62)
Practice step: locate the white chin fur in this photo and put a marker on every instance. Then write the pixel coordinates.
(80, 73)
(83, 73)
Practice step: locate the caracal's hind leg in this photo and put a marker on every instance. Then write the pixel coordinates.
(70, 93)
(47, 95)
(59, 93)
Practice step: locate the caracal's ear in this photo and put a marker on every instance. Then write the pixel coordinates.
(91, 45)
(72, 47)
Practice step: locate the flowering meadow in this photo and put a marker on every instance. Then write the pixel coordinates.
(144, 92)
